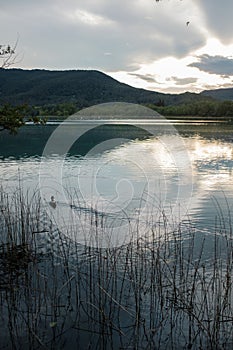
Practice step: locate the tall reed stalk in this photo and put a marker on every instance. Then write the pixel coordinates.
(169, 288)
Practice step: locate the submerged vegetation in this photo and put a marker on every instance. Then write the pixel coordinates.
(170, 288)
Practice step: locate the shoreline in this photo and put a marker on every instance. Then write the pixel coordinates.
(181, 118)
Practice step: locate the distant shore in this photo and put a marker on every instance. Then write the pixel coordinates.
(186, 118)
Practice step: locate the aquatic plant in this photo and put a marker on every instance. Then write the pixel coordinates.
(170, 287)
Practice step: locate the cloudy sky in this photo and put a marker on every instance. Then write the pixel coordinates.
(166, 45)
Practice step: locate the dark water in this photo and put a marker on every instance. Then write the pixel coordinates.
(123, 162)
(129, 177)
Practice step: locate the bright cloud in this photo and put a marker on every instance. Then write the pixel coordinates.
(89, 18)
(175, 75)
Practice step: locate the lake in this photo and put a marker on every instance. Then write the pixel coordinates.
(137, 250)
(125, 168)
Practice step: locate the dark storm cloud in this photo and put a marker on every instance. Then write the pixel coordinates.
(100, 34)
(214, 65)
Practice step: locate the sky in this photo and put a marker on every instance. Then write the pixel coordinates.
(168, 46)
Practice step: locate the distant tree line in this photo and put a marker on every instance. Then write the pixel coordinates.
(205, 109)
(215, 109)
(61, 109)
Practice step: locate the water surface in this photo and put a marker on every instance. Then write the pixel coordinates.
(123, 169)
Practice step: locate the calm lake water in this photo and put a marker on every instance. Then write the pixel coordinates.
(120, 179)
(184, 169)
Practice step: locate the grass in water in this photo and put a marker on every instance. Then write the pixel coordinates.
(170, 288)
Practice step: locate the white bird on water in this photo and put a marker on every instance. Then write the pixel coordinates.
(53, 202)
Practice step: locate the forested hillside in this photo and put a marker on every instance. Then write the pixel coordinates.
(65, 92)
(42, 87)
(78, 87)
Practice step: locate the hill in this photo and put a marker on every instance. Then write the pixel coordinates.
(80, 87)
(219, 94)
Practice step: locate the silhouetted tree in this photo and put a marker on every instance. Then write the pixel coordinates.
(14, 117)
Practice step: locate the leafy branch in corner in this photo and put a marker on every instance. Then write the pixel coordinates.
(14, 117)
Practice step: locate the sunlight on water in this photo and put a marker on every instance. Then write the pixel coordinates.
(135, 176)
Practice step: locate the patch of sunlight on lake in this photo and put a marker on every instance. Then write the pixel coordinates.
(140, 175)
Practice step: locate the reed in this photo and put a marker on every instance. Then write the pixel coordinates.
(170, 287)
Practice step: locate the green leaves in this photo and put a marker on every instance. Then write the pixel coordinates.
(14, 117)
(211, 108)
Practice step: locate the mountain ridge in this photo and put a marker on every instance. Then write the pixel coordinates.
(219, 94)
(39, 87)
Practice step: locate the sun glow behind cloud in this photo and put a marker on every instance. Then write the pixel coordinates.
(170, 73)
(215, 47)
